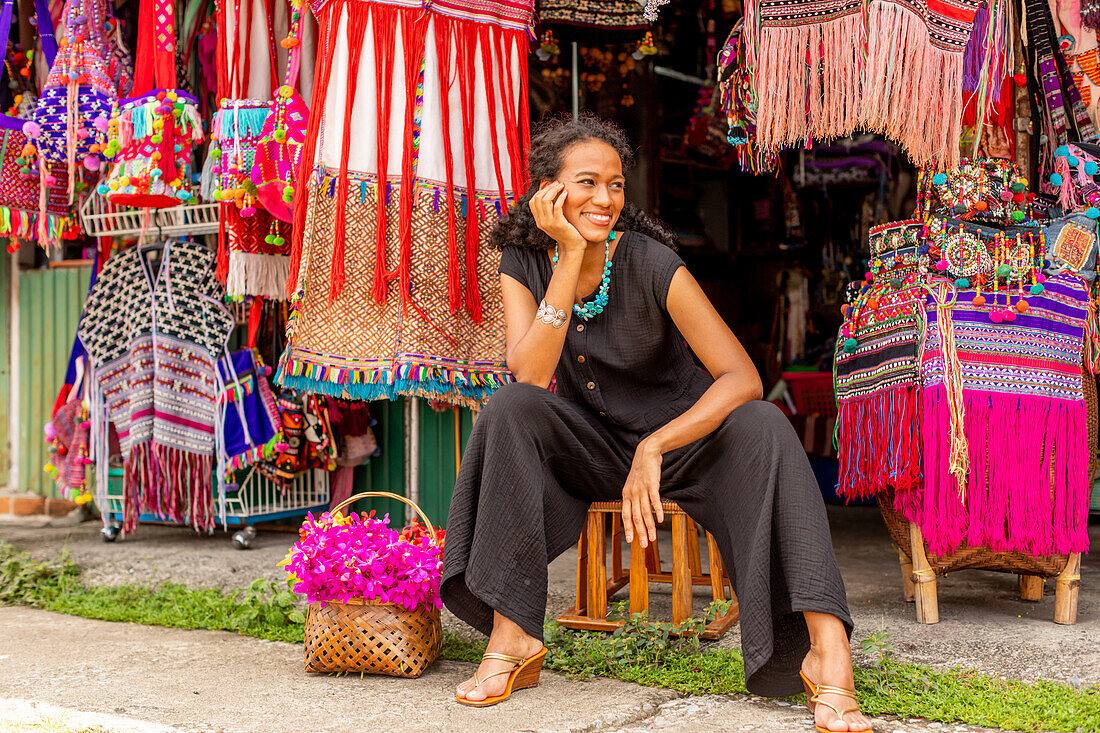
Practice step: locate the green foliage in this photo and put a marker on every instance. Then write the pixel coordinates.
(25, 581)
(878, 647)
(641, 651)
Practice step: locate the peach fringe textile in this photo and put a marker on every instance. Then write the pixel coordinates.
(824, 70)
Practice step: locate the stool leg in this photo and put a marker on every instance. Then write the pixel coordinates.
(616, 548)
(715, 569)
(639, 578)
(928, 611)
(597, 566)
(1066, 588)
(908, 589)
(653, 558)
(1031, 588)
(681, 570)
(582, 572)
(695, 561)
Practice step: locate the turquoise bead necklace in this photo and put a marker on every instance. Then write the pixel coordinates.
(588, 310)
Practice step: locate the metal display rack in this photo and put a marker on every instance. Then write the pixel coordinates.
(257, 500)
(100, 218)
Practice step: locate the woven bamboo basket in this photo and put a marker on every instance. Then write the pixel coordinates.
(375, 638)
(967, 556)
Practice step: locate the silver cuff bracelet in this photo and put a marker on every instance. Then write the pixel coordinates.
(550, 316)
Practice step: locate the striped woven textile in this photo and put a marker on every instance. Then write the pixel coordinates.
(877, 388)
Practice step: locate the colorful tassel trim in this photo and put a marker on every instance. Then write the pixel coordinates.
(384, 379)
(24, 225)
(264, 452)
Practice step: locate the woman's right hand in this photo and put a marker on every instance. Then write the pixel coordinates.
(547, 206)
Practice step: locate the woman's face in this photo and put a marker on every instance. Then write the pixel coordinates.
(593, 177)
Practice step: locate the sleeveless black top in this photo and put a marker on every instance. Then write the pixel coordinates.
(629, 365)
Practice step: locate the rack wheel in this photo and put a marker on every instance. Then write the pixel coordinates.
(242, 540)
(110, 532)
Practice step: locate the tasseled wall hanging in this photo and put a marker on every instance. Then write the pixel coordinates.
(824, 69)
(418, 137)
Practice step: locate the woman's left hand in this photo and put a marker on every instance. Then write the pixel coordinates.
(642, 495)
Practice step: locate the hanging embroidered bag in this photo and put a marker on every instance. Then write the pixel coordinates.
(70, 121)
(239, 122)
(21, 185)
(279, 151)
(152, 135)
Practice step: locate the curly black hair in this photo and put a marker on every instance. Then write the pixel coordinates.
(548, 149)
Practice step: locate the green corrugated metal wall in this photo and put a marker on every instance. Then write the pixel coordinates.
(5, 363)
(50, 302)
(437, 459)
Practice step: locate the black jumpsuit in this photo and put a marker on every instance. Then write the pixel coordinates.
(536, 459)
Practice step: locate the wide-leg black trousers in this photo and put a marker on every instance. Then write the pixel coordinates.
(534, 463)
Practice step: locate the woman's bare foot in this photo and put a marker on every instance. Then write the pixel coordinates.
(829, 662)
(507, 638)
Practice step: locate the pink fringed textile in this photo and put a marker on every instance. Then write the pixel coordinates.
(1027, 489)
(895, 69)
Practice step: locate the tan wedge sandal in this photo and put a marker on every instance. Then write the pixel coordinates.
(813, 693)
(525, 674)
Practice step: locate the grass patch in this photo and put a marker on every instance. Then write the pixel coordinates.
(642, 652)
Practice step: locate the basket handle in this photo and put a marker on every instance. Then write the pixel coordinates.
(388, 495)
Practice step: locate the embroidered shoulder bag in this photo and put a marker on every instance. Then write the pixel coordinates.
(152, 134)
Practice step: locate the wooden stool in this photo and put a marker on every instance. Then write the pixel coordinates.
(594, 587)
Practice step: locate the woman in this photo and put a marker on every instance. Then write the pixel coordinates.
(595, 296)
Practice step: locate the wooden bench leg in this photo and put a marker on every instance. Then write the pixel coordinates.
(908, 588)
(1065, 591)
(639, 578)
(597, 566)
(928, 611)
(1031, 588)
(681, 570)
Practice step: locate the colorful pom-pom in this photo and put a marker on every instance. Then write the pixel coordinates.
(1022, 305)
(32, 129)
(978, 301)
(1056, 179)
(1008, 314)
(942, 265)
(1040, 278)
(102, 189)
(995, 316)
(1037, 288)
(1062, 151)
(963, 283)
(1092, 212)
(1091, 168)
(91, 162)
(850, 345)
(1017, 216)
(939, 179)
